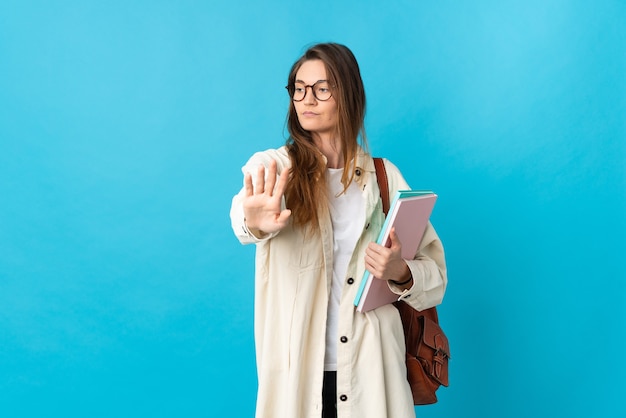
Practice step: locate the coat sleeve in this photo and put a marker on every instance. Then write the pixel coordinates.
(428, 267)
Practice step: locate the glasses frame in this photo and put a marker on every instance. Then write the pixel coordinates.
(292, 91)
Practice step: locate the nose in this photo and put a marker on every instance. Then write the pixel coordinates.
(309, 98)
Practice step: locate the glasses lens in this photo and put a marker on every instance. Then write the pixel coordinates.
(322, 91)
(298, 92)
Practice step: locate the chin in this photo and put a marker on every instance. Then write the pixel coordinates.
(309, 127)
(314, 127)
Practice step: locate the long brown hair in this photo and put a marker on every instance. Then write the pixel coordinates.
(306, 190)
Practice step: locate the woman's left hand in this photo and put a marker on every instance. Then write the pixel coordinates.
(386, 263)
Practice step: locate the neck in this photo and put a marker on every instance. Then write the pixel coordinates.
(331, 148)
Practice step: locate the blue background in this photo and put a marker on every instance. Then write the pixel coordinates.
(123, 127)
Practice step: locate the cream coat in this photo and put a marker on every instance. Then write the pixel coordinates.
(293, 274)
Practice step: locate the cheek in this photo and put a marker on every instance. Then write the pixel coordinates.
(332, 115)
(296, 106)
(329, 109)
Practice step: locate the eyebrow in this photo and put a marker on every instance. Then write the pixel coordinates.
(318, 81)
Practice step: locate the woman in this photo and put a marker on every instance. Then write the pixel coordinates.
(313, 210)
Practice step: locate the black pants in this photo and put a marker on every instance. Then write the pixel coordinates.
(329, 395)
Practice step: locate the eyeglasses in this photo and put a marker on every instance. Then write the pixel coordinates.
(321, 91)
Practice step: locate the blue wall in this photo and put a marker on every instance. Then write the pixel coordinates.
(123, 126)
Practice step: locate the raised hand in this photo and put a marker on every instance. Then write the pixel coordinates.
(262, 202)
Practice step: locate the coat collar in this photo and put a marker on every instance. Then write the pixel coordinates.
(364, 165)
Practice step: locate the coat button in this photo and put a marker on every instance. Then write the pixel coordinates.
(350, 280)
(343, 398)
(344, 339)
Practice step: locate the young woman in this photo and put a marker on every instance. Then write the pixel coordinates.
(313, 209)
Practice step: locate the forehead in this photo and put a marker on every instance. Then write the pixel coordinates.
(311, 71)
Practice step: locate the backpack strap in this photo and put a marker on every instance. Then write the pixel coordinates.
(383, 183)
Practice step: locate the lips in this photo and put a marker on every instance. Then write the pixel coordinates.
(308, 113)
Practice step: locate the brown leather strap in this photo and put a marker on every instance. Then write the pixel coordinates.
(383, 183)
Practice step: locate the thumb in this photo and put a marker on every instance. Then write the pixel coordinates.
(395, 241)
(283, 217)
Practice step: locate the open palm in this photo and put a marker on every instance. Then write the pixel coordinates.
(262, 202)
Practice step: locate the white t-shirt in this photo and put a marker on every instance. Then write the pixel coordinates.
(347, 212)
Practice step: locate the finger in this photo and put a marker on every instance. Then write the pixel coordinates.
(282, 182)
(373, 270)
(375, 248)
(260, 180)
(372, 263)
(247, 184)
(271, 178)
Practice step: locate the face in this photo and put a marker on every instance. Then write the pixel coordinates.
(316, 116)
